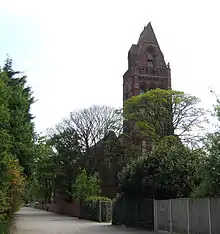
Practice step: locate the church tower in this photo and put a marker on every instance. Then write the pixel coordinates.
(147, 68)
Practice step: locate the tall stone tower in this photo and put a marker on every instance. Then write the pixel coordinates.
(147, 68)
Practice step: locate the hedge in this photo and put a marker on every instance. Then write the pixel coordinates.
(96, 209)
(133, 212)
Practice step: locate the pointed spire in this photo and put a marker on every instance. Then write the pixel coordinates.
(148, 35)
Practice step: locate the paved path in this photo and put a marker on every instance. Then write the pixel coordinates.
(34, 221)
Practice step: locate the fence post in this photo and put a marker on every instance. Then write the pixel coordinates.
(136, 214)
(209, 214)
(100, 211)
(155, 216)
(171, 221)
(188, 217)
(112, 206)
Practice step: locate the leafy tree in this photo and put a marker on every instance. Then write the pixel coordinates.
(42, 182)
(82, 133)
(16, 185)
(4, 144)
(87, 186)
(159, 113)
(68, 158)
(210, 170)
(168, 171)
(21, 127)
(216, 106)
(11, 178)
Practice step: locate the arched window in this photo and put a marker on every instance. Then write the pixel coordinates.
(151, 56)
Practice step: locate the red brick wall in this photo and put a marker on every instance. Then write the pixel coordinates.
(62, 207)
(72, 209)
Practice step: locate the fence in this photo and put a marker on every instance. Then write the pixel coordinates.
(187, 216)
(183, 215)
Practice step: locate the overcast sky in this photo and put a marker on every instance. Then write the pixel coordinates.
(74, 52)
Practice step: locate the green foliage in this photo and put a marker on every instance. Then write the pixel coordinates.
(4, 227)
(97, 204)
(98, 198)
(86, 185)
(134, 212)
(97, 207)
(67, 159)
(159, 113)
(169, 170)
(21, 127)
(16, 185)
(41, 184)
(4, 146)
(210, 171)
(11, 186)
(216, 106)
(92, 125)
(13, 141)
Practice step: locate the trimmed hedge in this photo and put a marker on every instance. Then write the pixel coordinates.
(4, 228)
(96, 209)
(98, 198)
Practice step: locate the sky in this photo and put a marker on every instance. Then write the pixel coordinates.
(75, 52)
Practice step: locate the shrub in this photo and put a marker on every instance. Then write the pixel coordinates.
(4, 228)
(169, 171)
(16, 186)
(97, 209)
(11, 187)
(86, 186)
(98, 198)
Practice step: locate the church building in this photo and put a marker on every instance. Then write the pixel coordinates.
(147, 70)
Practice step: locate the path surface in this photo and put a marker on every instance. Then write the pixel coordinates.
(34, 221)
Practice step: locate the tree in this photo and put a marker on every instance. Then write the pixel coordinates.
(216, 106)
(210, 170)
(92, 125)
(4, 144)
(42, 181)
(168, 171)
(68, 158)
(11, 176)
(87, 186)
(21, 127)
(159, 113)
